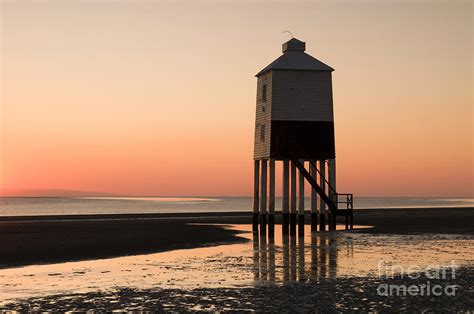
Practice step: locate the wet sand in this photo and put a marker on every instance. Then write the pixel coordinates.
(37, 242)
(328, 271)
(358, 294)
(34, 240)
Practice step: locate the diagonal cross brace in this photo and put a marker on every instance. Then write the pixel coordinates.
(314, 184)
(331, 189)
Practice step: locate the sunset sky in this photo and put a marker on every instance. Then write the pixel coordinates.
(158, 97)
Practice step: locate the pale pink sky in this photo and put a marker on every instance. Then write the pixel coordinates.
(158, 97)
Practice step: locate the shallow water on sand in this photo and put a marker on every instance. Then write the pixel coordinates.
(259, 261)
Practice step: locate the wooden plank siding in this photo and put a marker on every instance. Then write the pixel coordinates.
(302, 96)
(292, 96)
(262, 148)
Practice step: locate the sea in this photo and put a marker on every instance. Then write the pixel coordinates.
(42, 206)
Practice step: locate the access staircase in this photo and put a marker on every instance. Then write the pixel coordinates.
(332, 200)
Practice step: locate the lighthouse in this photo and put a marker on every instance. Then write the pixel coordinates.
(295, 125)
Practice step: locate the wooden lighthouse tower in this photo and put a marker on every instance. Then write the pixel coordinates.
(295, 124)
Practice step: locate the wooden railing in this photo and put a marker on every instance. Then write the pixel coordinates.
(347, 199)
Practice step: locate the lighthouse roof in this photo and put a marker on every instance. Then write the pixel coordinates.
(294, 58)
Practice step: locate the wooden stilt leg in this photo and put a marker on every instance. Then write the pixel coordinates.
(314, 199)
(286, 197)
(293, 201)
(322, 205)
(271, 199)
(332, 190)
(301, 204)
(256, 200)
(263, 199)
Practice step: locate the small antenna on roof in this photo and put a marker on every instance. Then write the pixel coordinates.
(288, 33)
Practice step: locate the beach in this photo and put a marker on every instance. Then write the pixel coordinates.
(328, 296)
(43, 239)
(211, 261)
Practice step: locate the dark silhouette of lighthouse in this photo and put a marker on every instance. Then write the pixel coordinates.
(295, 125)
